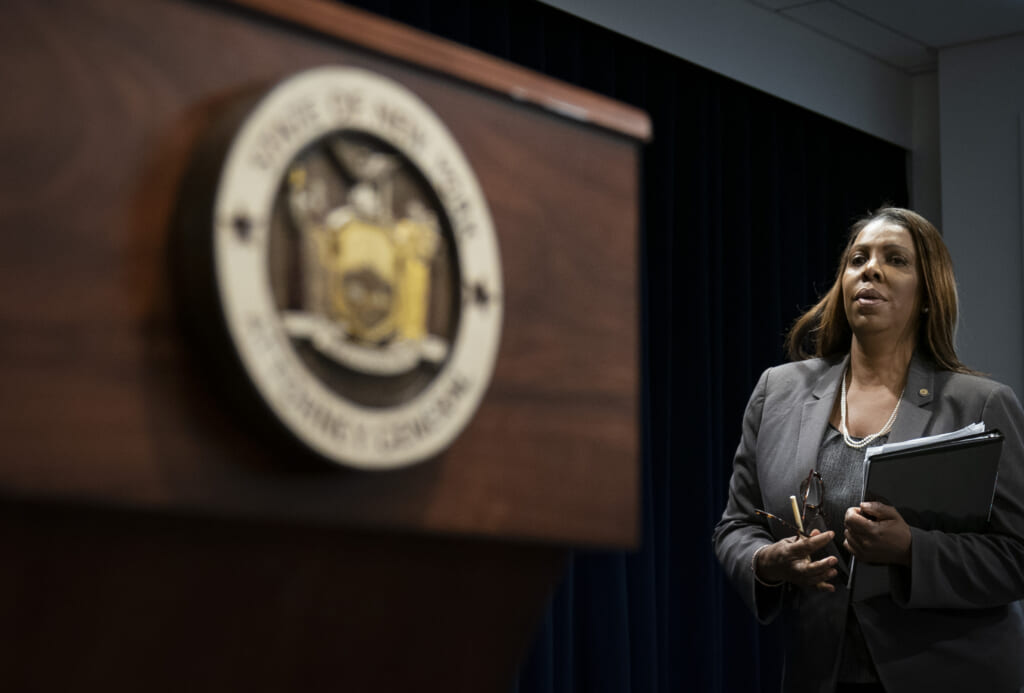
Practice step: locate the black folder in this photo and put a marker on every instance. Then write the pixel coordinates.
(946, 486)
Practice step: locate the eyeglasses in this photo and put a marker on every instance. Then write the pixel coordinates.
(812, 507)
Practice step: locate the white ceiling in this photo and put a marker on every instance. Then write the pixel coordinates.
(906, 34)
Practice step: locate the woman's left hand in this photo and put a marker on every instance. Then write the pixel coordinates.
(877, 533)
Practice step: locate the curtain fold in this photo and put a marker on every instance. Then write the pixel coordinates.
(745, 204)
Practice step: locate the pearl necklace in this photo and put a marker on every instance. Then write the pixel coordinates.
(858, 444)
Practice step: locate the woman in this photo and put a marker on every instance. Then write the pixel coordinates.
(885, 371)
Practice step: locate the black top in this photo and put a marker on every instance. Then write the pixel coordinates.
(842, 473)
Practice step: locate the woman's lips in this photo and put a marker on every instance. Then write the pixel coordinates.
(867, 297)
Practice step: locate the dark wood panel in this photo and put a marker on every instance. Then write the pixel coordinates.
(104, 401)
(126, 602)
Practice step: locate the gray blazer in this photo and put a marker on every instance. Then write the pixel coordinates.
(953, 622)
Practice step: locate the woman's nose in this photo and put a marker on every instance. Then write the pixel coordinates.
(871, 268)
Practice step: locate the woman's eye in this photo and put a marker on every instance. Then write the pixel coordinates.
(857, 260)
(898, 260)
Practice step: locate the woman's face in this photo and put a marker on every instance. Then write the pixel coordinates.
(881, 282)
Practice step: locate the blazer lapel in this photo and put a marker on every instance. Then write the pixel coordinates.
(813, 421)
(913, 415)
(814, 417)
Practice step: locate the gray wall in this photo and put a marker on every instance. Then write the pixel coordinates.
(981, 99)
(758, 47)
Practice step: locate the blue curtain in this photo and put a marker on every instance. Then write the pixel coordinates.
(745, 205)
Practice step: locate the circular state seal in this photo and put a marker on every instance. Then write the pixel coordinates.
(356, 267)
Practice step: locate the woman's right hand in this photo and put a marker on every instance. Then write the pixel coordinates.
(789, 560)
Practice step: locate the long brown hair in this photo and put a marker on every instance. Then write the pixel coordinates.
(824, 331)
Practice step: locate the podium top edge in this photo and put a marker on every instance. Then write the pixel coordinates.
(387, 37)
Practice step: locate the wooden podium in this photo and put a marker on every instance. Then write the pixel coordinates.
(153, 539)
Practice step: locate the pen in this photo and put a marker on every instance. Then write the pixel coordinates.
(796, 516)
